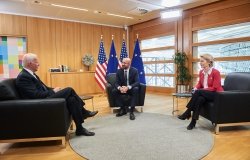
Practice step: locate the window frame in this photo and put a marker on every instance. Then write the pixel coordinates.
(215, 42)
(161, 61)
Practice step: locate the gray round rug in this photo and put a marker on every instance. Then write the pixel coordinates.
(149, 137)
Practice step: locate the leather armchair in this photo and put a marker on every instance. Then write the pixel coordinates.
(111, 79)
(232, 106)
(31, 119)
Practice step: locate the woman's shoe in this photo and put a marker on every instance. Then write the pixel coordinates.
(191, 125)
(185, 115)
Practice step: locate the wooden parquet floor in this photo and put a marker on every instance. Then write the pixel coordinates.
(233, 143)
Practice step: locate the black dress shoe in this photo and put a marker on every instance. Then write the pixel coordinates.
(185, 115)
(132, 116)
(121, 113)
(84, 132)
(89, 114)
(191, 125)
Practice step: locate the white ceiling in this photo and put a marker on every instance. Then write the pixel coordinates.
(97, 9)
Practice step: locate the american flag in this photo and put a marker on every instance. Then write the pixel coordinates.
(123, 54)
(101, 67)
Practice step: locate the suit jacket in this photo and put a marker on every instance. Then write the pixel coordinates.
(213, 82)
(30, 87)
(133, 77)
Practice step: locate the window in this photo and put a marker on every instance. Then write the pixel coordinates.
(157, 54)
(230, 46)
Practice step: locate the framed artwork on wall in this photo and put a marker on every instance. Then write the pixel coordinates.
(12, 50)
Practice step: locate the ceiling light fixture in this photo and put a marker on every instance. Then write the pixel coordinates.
(117, 15)
(170, 3)
(57, 5)
(171, 14)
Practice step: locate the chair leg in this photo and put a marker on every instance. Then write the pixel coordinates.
(217, 129)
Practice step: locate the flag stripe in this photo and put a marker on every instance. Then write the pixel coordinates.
(101, 67)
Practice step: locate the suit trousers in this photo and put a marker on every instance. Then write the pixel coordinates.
(74, 104)
(197, 100)
(133, 93)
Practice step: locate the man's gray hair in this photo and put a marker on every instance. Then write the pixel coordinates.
(27, 58)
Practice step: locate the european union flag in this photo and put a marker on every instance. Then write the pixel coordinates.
(113, 62)
(137, 62)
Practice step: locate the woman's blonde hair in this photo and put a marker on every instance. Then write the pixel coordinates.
(209, 58)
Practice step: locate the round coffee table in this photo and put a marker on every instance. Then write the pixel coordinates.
(87, 97)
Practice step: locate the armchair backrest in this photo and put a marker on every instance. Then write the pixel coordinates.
(237, 81)
(8, 89)
(111, 78)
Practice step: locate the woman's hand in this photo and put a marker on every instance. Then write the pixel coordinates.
(193, 90)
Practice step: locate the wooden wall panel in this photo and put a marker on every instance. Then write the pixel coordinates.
(87, 43)
(107, 37)
(41, 41)
(12, 25)
(96, 43)
(219, 5)
(218, 17)
(153, 31)
(68, 43)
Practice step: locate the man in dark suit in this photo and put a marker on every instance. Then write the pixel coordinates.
(127, 82)
(31, 87)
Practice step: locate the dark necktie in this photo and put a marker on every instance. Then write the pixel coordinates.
(125, 77)
(44, 87)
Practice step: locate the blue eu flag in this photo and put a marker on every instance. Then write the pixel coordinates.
(137, 62)
(113, 62)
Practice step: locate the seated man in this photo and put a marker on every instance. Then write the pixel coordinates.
(127, 82)
(31, 87)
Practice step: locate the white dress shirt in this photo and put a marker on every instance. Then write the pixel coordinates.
(206, 77)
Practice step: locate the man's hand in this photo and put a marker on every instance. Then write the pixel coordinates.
(57, 89)
(123, 89)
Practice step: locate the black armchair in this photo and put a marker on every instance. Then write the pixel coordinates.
(25, 120)
(232, 106)
(111, 79)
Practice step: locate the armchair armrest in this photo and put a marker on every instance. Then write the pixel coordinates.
(111, 99)
(232, 106)
(33, 118)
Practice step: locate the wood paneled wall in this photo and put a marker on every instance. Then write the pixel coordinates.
(59, 42)
(216, 14)
(12, 25)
